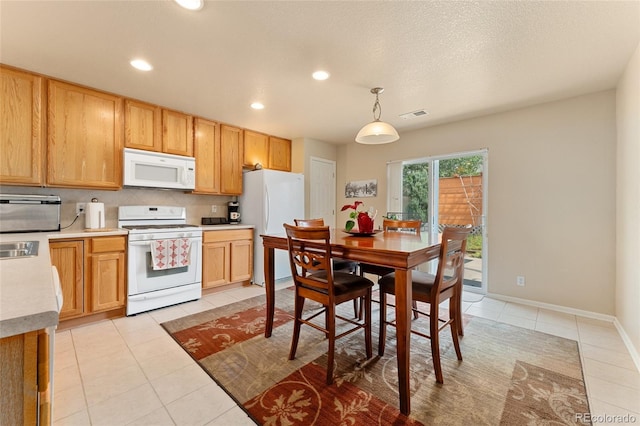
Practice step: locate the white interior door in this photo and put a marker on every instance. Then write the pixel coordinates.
(322, 190)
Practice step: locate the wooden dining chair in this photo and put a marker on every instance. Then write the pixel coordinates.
(315, 279)
(390, 225)
(434, 289)
(338, 264)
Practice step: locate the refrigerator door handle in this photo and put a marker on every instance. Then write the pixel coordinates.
(266, 207)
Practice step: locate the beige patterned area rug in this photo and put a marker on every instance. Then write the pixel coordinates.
(509, 375)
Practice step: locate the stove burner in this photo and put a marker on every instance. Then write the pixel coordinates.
(183, 226)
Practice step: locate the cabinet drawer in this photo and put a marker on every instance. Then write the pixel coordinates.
(235, 234)
(108, 244)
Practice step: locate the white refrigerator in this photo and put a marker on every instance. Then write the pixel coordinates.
(269, 199)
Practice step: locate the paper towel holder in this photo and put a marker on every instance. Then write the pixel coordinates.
(93, 222)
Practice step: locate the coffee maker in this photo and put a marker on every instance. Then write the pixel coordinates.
(233, 215)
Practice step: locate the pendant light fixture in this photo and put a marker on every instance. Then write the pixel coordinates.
(377, 132)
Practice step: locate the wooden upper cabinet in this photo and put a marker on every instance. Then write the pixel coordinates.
(21, 128)
(177, 133)
(231, 155)
(85, 137)
(207, 153)
(256, 149)
(142, 126)
(279, 154)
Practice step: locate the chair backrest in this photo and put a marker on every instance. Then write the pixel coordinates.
(409, 226)
(309, 222)
(309, 254)
(451, 259)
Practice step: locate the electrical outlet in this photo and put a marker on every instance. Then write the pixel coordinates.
(520, 280)
(80, 208)
(214, 209)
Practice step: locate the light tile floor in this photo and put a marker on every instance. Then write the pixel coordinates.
(129, 371)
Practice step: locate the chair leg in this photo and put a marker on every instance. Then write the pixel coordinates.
(415, 310)
(367, 322)
(435, 342)
(456, 341)
(454, 314)
(299, 305)
(458, 307)
(357, 313)
(331, 335)
(383, 323)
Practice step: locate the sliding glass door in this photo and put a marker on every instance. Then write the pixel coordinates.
(445, 191)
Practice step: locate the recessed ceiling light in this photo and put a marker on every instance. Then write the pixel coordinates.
(257, 105)
(141, 64)
(191, 4)
(320, 75)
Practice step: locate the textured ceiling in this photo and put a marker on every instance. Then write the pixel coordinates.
(454, 59)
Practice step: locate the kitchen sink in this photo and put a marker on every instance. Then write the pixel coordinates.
(17, 249)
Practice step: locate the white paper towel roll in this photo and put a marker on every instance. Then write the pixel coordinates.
(94, 215)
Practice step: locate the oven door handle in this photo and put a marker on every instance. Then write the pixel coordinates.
(148, 243)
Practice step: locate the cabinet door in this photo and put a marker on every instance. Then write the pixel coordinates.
(67, 257)
(241, 260)
(279, 154)
(256, 149)
(231, 155)
(21, 128)
(84, 140)
(215, 265)
(19, 379)
(177, 133)
(107, 281)
(142, 126)
(207, 153)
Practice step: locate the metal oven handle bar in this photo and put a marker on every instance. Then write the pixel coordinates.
(148, 242)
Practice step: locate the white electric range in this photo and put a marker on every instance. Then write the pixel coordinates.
(151, 286)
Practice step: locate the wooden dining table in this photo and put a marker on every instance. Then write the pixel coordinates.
(391, 249)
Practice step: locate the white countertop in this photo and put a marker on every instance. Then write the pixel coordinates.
(27, 296)
(87, 233)
(225, 227)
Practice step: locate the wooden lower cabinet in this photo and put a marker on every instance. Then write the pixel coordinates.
(25, 379)
(107, 258)
(227, 257)
(68, 258)
(92, 274)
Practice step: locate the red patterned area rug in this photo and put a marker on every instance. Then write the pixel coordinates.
(509, 375)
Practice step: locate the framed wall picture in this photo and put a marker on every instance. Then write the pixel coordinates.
(361, 188)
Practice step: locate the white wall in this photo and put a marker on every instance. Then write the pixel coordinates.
(302, 151)
(628, 201)
(551, 194)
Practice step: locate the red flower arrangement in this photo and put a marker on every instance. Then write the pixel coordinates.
(365, 222)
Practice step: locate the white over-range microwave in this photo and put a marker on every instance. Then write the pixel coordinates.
(157, 170)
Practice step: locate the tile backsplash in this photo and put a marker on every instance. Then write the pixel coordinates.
(198, 206)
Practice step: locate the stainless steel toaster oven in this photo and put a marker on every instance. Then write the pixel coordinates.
(29, 213)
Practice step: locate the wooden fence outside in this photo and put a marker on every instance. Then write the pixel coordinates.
(460, 200)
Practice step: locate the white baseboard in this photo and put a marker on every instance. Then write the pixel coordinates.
(551, 307)
(635, 356)
(628, 343)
